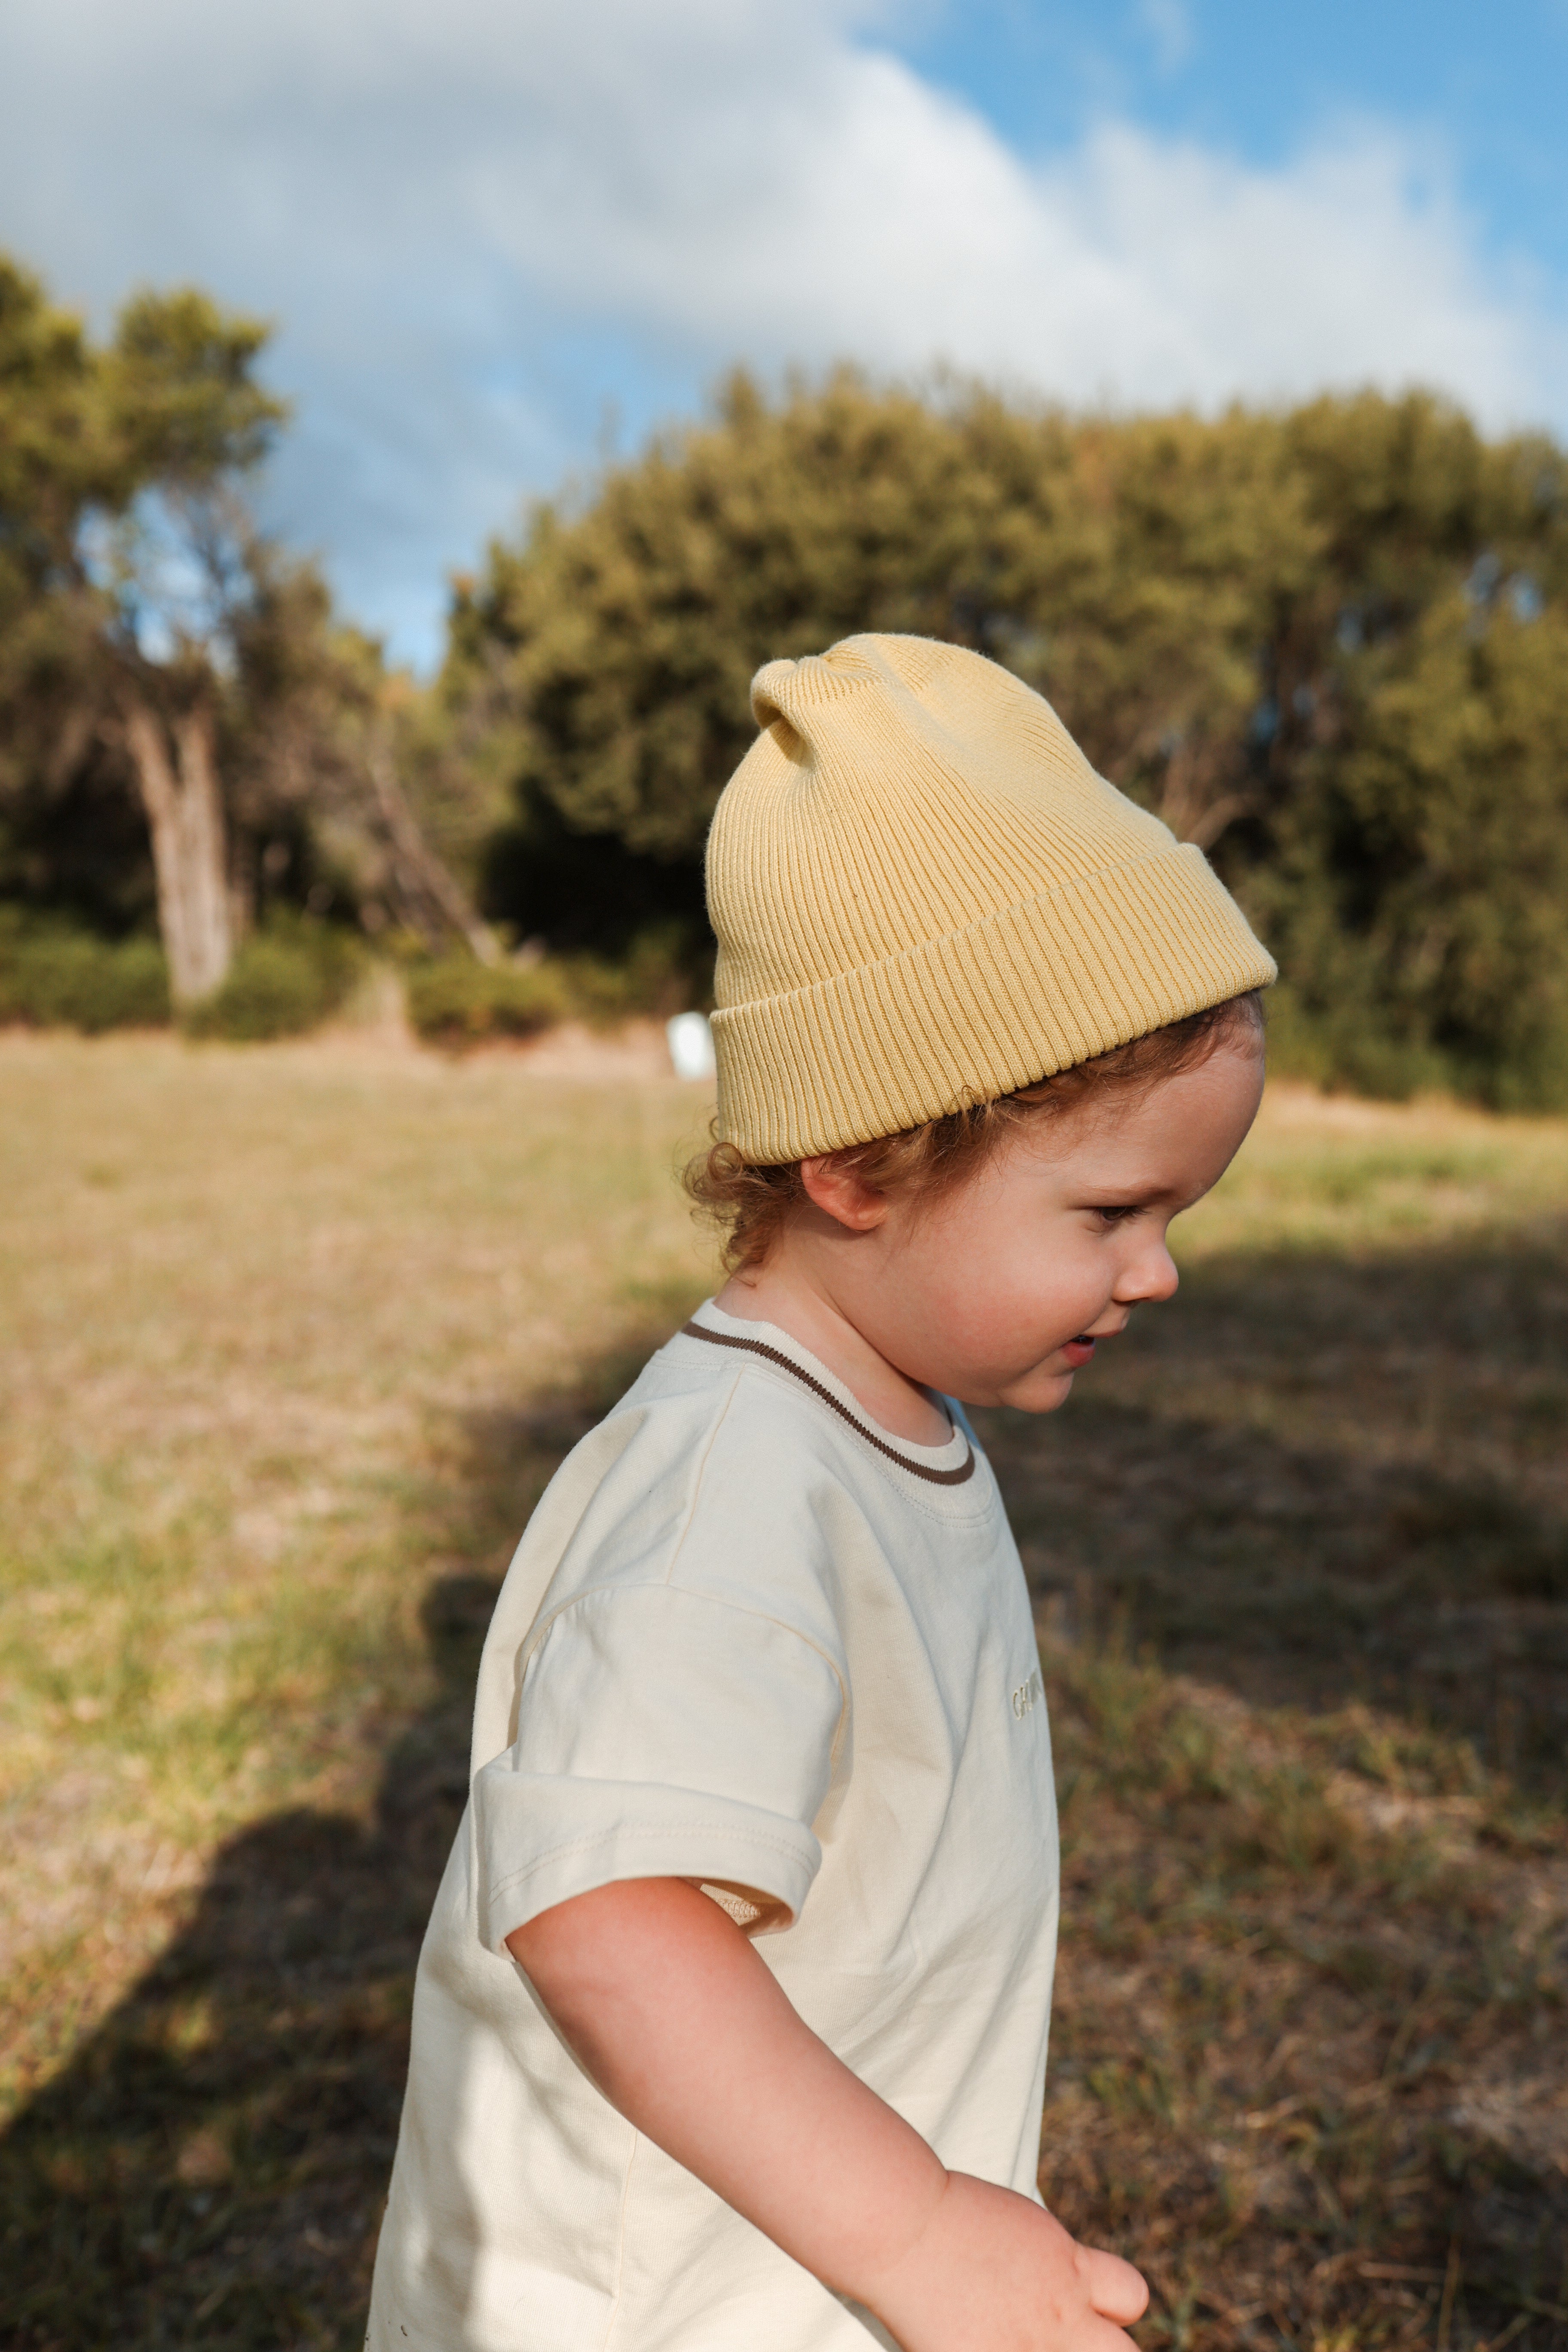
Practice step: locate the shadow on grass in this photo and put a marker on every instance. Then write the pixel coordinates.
(209, 2167)
(1311, 1530)
(1298, 2062)
(1317, 1478)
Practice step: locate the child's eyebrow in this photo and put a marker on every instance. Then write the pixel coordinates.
(1131, 1196)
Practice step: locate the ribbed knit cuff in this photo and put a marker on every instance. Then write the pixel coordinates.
(965, 1019)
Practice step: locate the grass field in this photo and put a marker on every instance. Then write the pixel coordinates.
(292, 1338)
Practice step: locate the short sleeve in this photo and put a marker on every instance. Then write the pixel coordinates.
(661, 1734)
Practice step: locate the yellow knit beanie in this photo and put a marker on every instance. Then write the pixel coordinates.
(925, 898)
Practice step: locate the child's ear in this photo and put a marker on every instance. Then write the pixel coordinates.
(843, 1195)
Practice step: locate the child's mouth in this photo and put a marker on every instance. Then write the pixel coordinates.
(1078, 1350)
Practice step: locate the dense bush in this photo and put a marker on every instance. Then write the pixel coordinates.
(454, 1000)
(1341, 1051)
(52, 976)
(656, 973)
(285, 979)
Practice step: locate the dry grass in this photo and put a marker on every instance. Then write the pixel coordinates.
(254, 1303)
(1306, 1538)
(292, 1339)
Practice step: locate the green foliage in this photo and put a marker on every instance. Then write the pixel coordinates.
(110, 455)
(624, 639)
(286, 978)
(155, 651)
(168, 406)
(655, 974)
(1418, 888)
(183, 400)
(1331, 1043)
(55, 977)
(452, 1000)
(1325, 644)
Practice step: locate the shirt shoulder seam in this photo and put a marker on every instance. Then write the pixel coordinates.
(715, 1424)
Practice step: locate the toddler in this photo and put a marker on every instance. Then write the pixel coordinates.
(730, 2027)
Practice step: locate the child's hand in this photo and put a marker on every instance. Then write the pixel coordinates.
(991, 2272)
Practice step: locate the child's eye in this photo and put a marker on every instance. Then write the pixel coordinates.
(1115, 1215)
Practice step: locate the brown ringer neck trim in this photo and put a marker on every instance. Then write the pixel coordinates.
(776, 1356)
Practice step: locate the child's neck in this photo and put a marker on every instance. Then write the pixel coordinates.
(791, 1292)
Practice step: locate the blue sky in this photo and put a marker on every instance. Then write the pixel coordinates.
(1486, 86)
(500, 238)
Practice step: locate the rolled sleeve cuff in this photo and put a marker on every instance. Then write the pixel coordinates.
(543, 1839)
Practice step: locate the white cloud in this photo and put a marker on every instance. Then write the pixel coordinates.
(478, 219)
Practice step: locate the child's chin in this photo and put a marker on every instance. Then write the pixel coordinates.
(1039, 1391)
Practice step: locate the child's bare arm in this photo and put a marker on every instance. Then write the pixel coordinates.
(683, 2028)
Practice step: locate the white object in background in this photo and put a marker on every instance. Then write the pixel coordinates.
(691, 1045)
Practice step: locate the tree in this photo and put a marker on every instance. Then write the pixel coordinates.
(126, 555)
(1319, 643)
(58, 463)
(151, 642)
(596, 689)
(316, 729)
(184, 401)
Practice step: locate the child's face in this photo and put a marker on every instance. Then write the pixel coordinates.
(997, 1292)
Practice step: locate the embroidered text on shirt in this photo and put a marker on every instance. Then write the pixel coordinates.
(1028, 1695)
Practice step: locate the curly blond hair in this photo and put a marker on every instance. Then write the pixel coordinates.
(751, 1204)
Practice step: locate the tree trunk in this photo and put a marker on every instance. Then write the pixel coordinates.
(190, 845)
(421, 881)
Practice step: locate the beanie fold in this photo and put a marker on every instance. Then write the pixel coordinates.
(1032, 989)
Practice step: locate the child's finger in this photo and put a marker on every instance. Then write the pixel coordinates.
(1115, 2289)
(1098, 2334)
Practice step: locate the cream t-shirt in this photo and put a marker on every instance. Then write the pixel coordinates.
(753, 1640)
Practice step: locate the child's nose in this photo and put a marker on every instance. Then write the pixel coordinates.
(1152, 1276)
